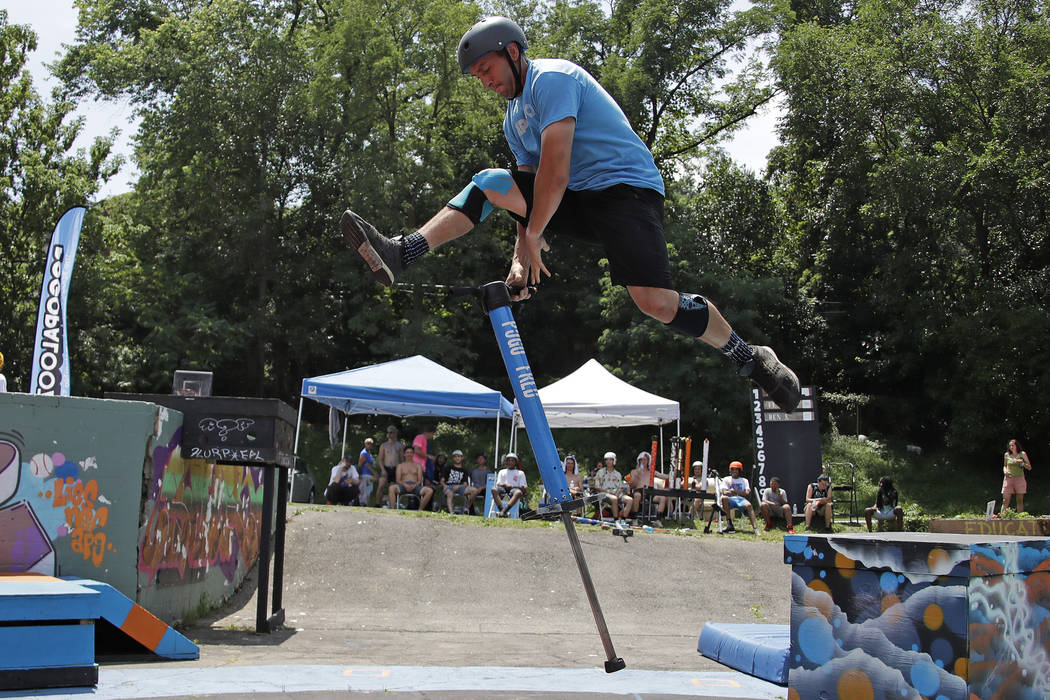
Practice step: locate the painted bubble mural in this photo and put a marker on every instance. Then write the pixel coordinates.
(881, 619)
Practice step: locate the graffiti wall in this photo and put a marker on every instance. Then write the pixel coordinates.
(200, 531)
(1009, 604)
(97, 488)
(919, 617)
(71, 485)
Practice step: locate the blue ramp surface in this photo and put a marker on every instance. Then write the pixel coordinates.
(760, 650)
(138, 623)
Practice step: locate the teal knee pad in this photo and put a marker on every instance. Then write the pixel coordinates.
(472, 200)
(692, 315)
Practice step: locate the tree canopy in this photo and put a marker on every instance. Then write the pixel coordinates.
(894, 251)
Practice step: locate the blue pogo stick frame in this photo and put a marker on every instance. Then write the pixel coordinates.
(495, 298)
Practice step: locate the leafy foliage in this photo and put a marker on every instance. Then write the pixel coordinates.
(41, 176)
(895, 253)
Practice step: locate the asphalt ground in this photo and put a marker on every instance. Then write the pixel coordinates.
(427, 606)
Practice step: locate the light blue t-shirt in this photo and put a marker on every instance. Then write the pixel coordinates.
(605, 149)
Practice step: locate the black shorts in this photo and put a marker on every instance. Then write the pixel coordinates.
(391, 474)
(627, 221)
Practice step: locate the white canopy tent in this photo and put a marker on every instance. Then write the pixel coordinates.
(413, 386)
(591, 397)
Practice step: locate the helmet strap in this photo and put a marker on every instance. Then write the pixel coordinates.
(518, 85)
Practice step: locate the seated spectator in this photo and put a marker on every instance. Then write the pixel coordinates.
(409, 477)
(639, 479)
(454, 478)
(696, 484)
(775, 506)
(479, 481)
(510, 484)
(610, 482)
(365, 464)
(736, 493)
(342, 486)
(886, 507)
(434, 474)
(819, 500)
(572, 475)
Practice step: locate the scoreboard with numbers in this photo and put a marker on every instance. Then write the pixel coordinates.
(786, 444)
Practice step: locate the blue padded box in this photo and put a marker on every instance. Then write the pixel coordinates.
(759, 650)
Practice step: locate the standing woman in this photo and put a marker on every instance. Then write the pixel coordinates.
(1015, 462)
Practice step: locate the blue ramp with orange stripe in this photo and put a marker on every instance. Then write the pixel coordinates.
(138, 623)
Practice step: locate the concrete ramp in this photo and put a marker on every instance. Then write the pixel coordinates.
(138, 623)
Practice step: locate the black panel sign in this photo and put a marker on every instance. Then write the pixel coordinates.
(231, 430)
(786, 444)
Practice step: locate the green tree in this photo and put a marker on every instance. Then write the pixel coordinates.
(41, 175)
(913, 173)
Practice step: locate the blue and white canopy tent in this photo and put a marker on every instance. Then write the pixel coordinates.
(413, 386)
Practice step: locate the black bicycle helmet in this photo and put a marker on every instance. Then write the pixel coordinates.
(488, 35)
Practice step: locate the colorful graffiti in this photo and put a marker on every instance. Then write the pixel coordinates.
(200, 515)
(880, 619)
(52, 498)
(1010, 620)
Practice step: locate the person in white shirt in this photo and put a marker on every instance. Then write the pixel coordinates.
(609, 481)
(343, 484)
(736, 493)
(510, 484)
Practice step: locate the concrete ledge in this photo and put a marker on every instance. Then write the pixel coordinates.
(1023, 527)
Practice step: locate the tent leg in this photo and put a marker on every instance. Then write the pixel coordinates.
(346, 420)
(298, 423)
(495, 457)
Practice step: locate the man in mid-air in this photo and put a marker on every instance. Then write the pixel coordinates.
(581, 171)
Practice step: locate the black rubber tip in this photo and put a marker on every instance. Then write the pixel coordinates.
(614, 665)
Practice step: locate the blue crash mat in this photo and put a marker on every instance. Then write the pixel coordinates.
(760, 650)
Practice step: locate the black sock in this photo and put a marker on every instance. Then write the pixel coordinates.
(737, 350)
(413, 247)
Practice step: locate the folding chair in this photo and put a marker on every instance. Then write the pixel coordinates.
(407, 501)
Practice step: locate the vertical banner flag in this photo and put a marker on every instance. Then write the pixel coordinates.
(50, 350)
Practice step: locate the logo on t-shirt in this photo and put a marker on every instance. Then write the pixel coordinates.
(522, 125)
(529, 110)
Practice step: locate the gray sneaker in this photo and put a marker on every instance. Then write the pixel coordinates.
(382, 254)
(776, 378)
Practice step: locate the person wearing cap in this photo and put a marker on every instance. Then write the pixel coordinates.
(365, 464)
(818, 500)
(609, 481)
(454, 479)
(775, 505)
(696, 483)
(510, 484)
(736, 493)
(582, 171)
(479, 481)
